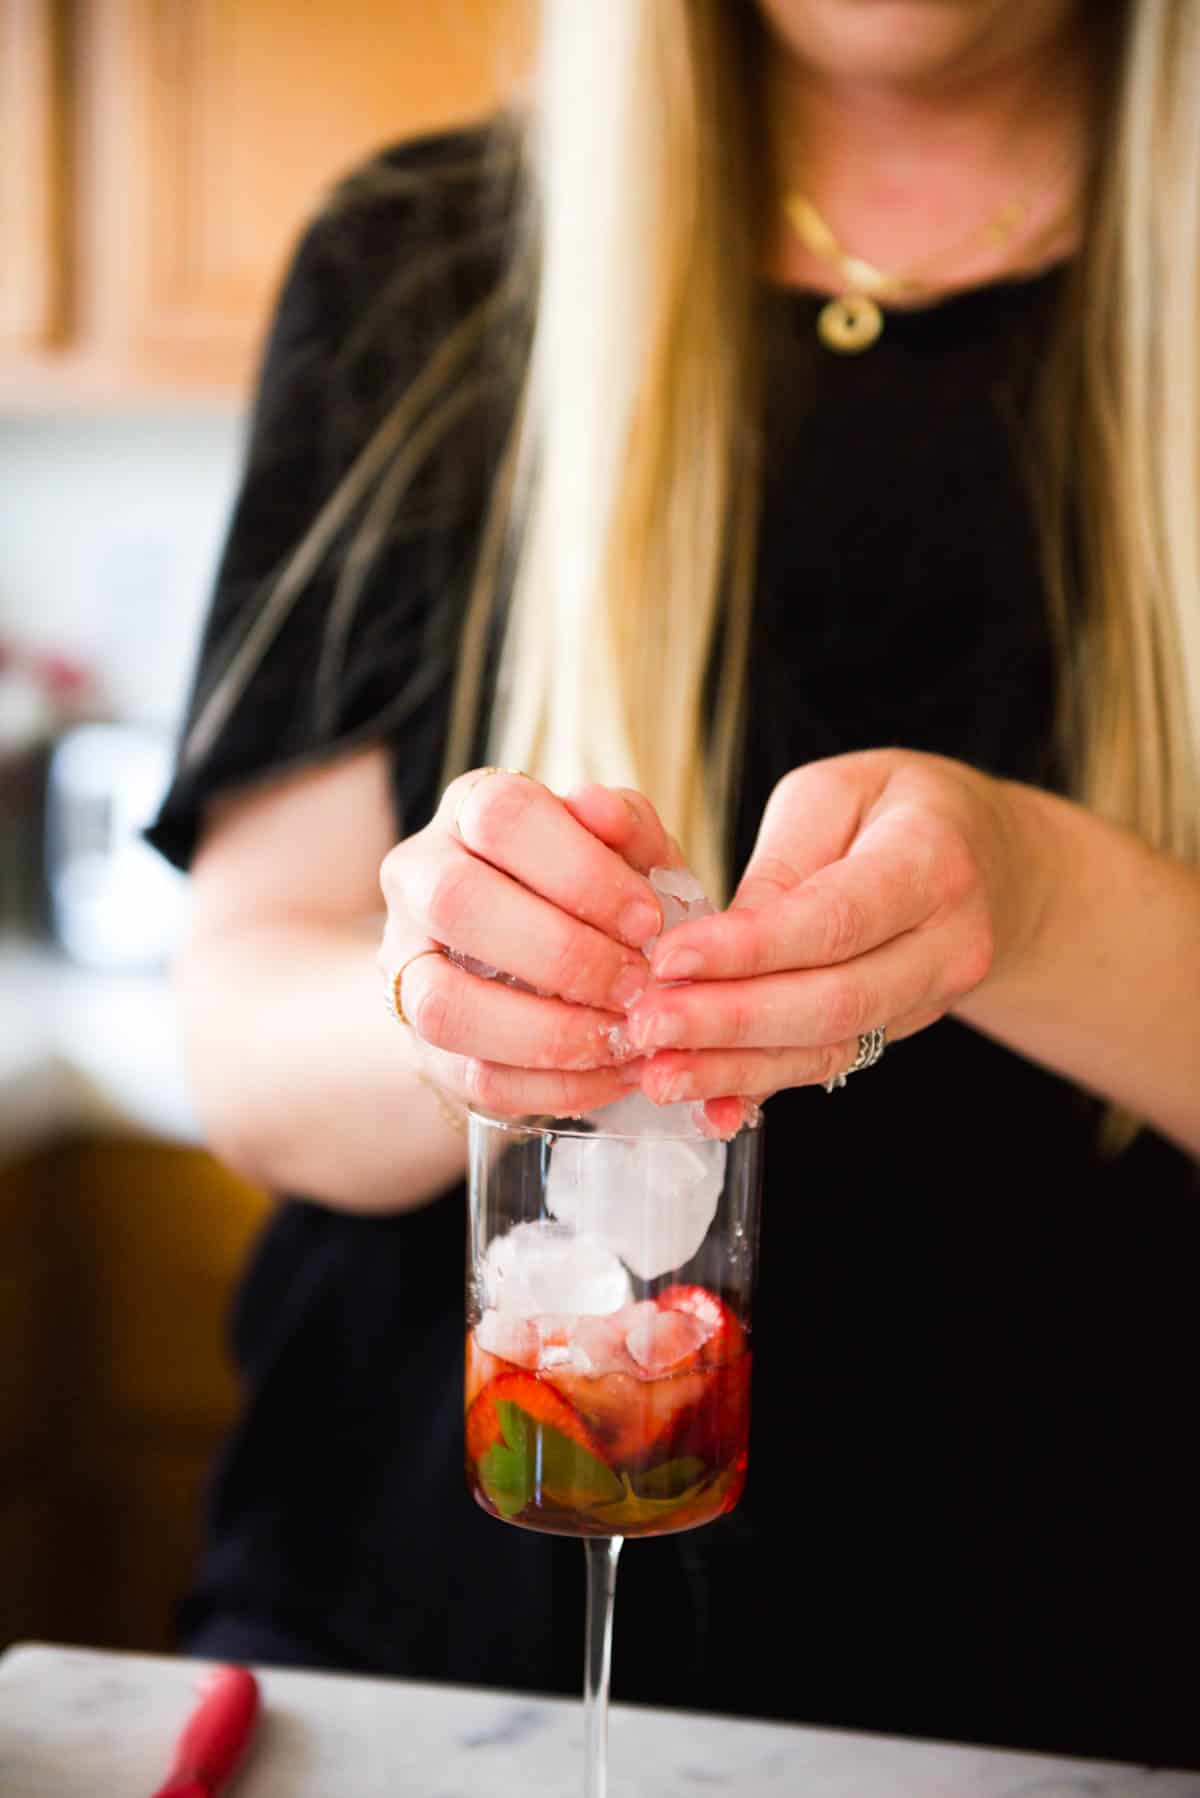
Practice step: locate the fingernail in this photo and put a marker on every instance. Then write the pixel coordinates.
(679, 964)
(658, 1031)
(638, 922)
(629, 986)
(669, 1091)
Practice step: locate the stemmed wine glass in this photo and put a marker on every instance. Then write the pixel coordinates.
(609, 1286)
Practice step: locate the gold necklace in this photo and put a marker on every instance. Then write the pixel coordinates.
(853, 319)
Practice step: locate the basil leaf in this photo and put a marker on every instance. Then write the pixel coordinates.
(633, 1510)
(572, 1476)
(514, 1425)
(504, 1476)
(536, 1458)
(670, 1479)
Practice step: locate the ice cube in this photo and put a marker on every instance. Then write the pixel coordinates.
(635, 1115)
(509, 1336)
(543, 1267)
(681, 897)
(648, 1198)
(662, 1341)
(483, 970)
(602, 1340)
(564, 1357)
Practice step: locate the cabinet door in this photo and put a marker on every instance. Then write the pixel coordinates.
(211, 128)
(118, 1257)
(32, 130)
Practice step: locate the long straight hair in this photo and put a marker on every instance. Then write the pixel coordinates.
(633, 484)
(634, 472)
(620, 533)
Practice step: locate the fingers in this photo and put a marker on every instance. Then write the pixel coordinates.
(452, 1010)
(723, 1117)
(521, 1092)
(443, 891)
(518, 1092)
(815, 1007)
(628, 823)
(707, 1077)
(840, 912)
(810, 820)
(896, 876)
(523, 829)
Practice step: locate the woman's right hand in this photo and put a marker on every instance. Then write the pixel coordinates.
(506, 873)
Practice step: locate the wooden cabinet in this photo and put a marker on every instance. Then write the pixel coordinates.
(33, 244)
(163, 155)
(117, 1263)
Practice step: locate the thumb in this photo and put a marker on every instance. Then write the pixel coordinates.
(811, 819)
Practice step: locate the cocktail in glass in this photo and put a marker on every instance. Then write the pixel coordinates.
(608, 1354)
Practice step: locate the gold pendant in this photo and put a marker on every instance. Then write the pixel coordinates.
(850, 323)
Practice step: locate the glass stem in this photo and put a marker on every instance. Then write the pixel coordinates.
(602, 1553)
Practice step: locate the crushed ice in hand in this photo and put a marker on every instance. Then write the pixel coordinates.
(682, 898)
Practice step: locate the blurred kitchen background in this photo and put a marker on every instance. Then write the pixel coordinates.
(157, 159)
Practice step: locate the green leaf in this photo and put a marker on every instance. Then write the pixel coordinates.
(572, 1476)
(536, 1459)
(504, 1476)
(670, 1479)
(514, 1424)
(634, 1510)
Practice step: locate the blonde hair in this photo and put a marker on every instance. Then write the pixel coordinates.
(634, 470)
(633, 483)
(1126, 411)
(622, 519)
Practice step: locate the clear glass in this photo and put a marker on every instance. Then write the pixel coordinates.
(610, 1280)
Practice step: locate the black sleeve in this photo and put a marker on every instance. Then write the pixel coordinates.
(376, 283)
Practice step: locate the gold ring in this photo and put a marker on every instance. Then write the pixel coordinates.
(393, 984)
(484, 774)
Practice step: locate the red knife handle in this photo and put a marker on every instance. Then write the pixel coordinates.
(216, 1735)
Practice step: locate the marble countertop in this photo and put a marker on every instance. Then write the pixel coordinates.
(75, 1723)
(82, 1050)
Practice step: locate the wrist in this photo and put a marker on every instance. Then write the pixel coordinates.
(1031, 847)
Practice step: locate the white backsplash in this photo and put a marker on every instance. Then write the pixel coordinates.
(110, 526)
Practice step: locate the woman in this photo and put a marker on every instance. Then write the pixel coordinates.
(888, 610)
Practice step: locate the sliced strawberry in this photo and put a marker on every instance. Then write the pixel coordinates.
(725, 1334)
(481, 1367)
(538, 1399)
(637, 1419)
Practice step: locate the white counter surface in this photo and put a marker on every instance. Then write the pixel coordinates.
(82, 1050)
(76, 1723)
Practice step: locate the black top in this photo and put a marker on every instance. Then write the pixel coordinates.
(972, 1502)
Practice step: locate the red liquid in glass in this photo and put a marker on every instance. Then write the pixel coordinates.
(630, 1425)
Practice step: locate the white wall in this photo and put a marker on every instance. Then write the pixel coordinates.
(109, 530)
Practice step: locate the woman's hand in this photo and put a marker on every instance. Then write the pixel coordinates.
(508, 875)
(884, 886)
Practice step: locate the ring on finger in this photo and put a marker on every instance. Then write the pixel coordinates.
(394, 982)
(484, 774)
(871, 1044)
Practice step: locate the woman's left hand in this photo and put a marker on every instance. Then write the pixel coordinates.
(884, 887)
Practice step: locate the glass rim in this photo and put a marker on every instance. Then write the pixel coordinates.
(554, 1128)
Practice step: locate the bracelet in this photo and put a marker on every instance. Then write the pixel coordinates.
(457, 1119)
